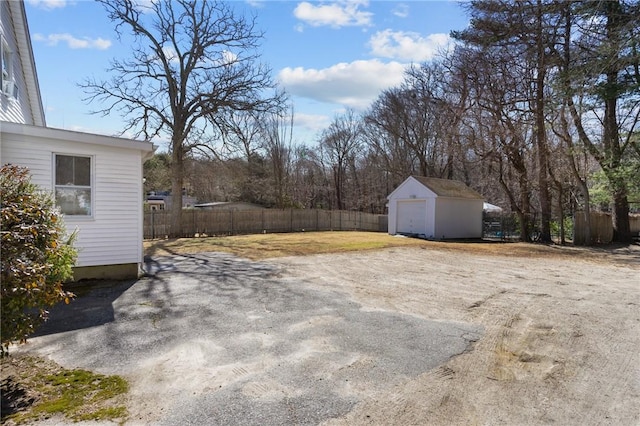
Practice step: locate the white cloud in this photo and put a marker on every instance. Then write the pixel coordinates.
(336, 14)
(256, 3)
(73, 42)
(311, 122)
(401, 10)
(407, 46)
(228, 57)
(170, 53)
(49, 4)
(354, 84)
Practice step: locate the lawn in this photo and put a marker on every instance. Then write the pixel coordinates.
(264, 246)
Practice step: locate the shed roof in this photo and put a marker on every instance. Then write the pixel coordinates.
(448, 188)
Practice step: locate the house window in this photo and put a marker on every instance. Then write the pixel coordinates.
(8, 85)
(73, 184)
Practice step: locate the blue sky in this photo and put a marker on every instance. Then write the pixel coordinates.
(328, 55)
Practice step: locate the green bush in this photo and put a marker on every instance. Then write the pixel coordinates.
(36, 259)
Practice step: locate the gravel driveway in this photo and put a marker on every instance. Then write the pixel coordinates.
(214, 339)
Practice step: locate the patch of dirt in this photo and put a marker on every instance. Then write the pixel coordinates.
(18, 393)
(561, 330)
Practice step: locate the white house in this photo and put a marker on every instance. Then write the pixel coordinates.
(435, 209)
(96, 180)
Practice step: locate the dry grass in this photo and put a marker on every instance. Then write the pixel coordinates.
(263, 246)
(35, 388)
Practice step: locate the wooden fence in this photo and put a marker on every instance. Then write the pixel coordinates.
(601, 227)
(157, 224)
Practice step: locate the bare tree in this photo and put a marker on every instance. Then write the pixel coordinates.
(309, 180)
(277, 140)
(530, 28)
(340, 143)
(501, 124)
(191, 61)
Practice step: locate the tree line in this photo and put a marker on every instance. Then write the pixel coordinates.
(536, 106)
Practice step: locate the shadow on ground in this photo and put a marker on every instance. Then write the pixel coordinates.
(92, 306)
(215, 339)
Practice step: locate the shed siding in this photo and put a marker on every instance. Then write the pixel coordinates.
(458, 218)
(114, 234)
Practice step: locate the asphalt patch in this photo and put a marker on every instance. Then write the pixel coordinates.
(214, 339)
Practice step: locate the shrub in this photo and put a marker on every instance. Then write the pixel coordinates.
(36, 259)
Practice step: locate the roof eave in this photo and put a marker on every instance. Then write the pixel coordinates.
(23, 39)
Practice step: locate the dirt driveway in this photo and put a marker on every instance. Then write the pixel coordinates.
(561, 339)
(402, 336)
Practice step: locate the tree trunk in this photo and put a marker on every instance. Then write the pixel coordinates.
(620, 216)
(177, 181)
(584, 189)
(611, 133)
(561, 211)
(541, 134)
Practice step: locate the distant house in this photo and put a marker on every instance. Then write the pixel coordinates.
(96, 180)
(163, 200)
(435, 209)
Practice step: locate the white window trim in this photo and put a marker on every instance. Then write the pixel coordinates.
(91, 187)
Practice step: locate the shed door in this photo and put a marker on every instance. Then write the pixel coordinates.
(412, 217)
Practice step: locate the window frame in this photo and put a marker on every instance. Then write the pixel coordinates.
(90, 187)
(6, 69)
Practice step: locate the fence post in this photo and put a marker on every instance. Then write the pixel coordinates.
(153, 224)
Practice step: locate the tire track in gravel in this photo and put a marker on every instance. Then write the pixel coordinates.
(564, 333)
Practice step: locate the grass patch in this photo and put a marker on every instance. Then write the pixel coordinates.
(35, 389)
(264, 246)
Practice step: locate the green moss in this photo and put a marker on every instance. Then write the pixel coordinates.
(107, 413)
(76, 394)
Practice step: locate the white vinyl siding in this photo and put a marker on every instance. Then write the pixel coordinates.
(458, 218)
(113, 234)
(13, 109)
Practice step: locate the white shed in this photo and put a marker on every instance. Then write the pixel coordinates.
(435, 209)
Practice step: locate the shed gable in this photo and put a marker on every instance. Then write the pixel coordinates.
(412, 188)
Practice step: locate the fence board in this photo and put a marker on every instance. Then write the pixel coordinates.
(601, 227)
(229, 222)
